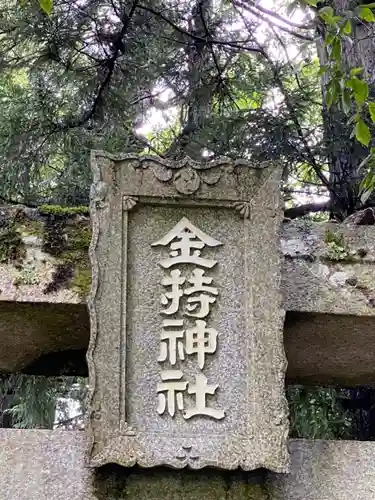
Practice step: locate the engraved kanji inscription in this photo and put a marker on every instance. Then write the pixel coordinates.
(186, 301)
(187, 248)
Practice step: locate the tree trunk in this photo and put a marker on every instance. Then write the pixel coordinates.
(200, 82)
(345, 153)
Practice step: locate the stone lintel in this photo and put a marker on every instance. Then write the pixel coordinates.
(328, 268)
(328, 288)
(49, 465)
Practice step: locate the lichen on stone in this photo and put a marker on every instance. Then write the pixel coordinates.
(337, 249)
(61, 278)
(79, 238)
(28, 275)
(31, 228)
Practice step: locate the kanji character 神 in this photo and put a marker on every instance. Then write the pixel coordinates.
(201, 341)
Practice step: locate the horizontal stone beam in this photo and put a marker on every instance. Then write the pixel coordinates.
(328, 268)
(329, 295)
(44, 465)
(328, 287)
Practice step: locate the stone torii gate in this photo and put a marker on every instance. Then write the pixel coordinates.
(198, 289)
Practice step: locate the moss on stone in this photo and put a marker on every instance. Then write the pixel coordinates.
(336, 238)
(31, 228)
(69, 240)
(63, 211)
(74, 256)
(61, 235)
(81, 282)
(12, 247)
(79, 236)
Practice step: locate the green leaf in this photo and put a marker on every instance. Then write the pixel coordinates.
(366, 194)
(362, 132)
(369, 5)
(353, 118)
(46, 6)
(346, 102)
(356, 71)
(329, 38)
(336, 49)
(329, 98)
(365, 161)
(367, 15)
(347, 27)
(360, 89)
(371, 108)
(333, 91)
(326, 13)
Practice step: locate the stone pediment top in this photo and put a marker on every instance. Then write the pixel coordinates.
(209, 179)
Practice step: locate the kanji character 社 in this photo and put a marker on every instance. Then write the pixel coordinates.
(174, 387)
(201, 389)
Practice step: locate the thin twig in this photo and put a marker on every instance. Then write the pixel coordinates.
(228, 43)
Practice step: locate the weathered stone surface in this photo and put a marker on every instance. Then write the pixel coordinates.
(29, 331)
(329, 268)
(139, 206)
(43, 465)
(327, 349)
(327, 470)
(321, 348)
(44, 254)
(334, 347)
(52, 468)
(179, 485)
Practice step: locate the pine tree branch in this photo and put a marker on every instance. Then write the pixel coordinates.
(111, 64)
(277, 16)
(271, 23)
(68, 420)
(229, 43)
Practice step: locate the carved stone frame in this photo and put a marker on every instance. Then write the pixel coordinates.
(120, 182)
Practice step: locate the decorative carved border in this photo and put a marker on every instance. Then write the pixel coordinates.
(126, 438)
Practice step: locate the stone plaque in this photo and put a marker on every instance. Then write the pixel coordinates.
(186, 356)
